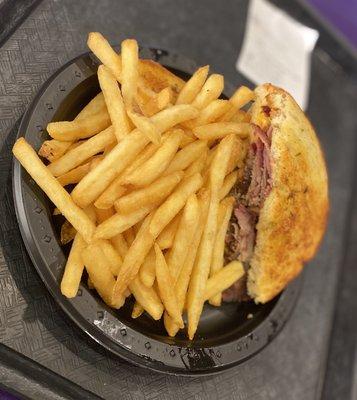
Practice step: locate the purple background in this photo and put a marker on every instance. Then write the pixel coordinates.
(342, 14)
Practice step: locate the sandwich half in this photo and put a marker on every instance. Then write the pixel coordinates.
(281, 204)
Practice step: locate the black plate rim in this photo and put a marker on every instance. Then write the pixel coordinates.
(282, 309)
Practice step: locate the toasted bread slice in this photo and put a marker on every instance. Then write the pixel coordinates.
(293, 217)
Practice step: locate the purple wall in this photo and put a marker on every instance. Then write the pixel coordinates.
(342, 14)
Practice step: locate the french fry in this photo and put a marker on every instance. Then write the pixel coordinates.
(53, 149)
(195, 298)
(138, 309)
(75, 157)
(78, 129)
(129, 235)
(238, 154)
(95, 106)
(228, 183)
(134, 259)
(187, 138)
(74, 268)
(174, 203)
(211, 113)
(89, 283)
(223, 279)
(130, 72)
(242, 96)
(166, 237)
(186, 156)
(210, 91)
(157, 164)
(114, 102)
(104, 51)
(145, 126)
(198, 165)
(183, 280)
(74, 175)
(103, 215)
(193, 86)
(163, 98)
(224, 215)
(119, 223)
(155, 103)
(49, 184)
(147, 271)
(95, 182)
(165, 284)
(113, 257)
(218, 130)
(120, 244)
(116, 188)
(148, 298)
(98, 268)
(152, 194)
(67, 233)
(183, 237)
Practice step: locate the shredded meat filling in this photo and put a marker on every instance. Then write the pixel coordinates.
(250, 196)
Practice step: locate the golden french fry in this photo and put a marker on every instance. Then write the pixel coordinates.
(147, 271)
(157, 164)
(130, 72)
(129, 235)
(98, 268)
(114, 102)
(103, 215)
(76, 156)
(74, 268)
(210, 91)
(53, 149)
(238, 155)
(103, 50)
(83, 152)
(211, 113)
(89, 282)
(152, 194)
(186, 156)
(49, 184)
(119, 223)
(166, 237)
(98, 179)
(228, 183)
(78, 129)
(116, 188)
(183, 237)
(195, 298)
(183, 280)
(187, 138)
(134, 259)
(120, 244)
(242, 96)
(198, 165)
(165, 284)
(174, 203)
(138, 309)
(145, 126)
(163, 98)
(67, 232)
(193, 86)
(223, 279)
(96, 105)
(113, 257)
(74, 175)
(224, 215)
(218, 130)
(148, 298)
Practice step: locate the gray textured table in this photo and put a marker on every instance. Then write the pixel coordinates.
(293, 366)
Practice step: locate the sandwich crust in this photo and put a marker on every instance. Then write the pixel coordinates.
(293, 217)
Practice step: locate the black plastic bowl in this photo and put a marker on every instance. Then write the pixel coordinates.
(227, 335)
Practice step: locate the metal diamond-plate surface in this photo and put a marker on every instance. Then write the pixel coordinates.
(30, 321)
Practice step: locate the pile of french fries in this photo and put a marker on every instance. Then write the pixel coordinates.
(152, 159)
